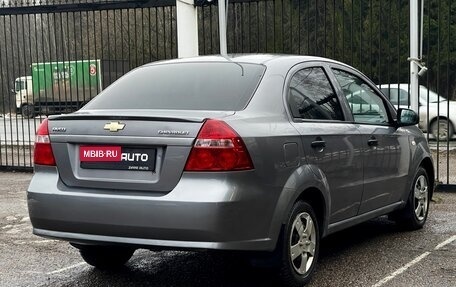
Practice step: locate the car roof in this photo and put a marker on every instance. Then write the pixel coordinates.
(262, 59)
(403, 86)
(394, 86)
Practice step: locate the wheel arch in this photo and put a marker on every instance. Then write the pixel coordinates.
(441, 117)
(314, 197)
(303, 185)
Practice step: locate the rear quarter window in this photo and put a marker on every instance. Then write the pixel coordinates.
(223, 86)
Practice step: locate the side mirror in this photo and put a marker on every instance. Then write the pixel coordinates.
(13, 91)
(406, 117)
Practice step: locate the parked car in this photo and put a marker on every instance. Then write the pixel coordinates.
(253, 153)
(442, 119)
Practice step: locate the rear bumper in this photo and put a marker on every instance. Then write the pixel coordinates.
(230, 211)
(258, 244)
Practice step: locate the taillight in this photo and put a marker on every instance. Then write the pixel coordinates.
(218, 148)
(43, 151)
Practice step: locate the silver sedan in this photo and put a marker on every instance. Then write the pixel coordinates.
(257, 153)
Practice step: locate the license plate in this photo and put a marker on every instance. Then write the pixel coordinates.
(117, 158)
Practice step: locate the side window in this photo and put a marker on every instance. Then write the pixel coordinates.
(366, 106)
(310, 96)
(20, 86)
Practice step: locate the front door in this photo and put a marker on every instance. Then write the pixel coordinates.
(386, 154)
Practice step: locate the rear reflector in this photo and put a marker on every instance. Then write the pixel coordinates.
(218, 148)
(43, 154)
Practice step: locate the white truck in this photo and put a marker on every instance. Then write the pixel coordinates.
(60, 87)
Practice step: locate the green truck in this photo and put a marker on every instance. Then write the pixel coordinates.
(65, 86)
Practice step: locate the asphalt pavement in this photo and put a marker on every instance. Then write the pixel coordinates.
(374, 254)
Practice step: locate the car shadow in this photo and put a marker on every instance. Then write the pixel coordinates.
(179, 268)
(375, 230)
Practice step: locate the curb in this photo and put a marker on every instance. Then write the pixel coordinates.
(446, 188)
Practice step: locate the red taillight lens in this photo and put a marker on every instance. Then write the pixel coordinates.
(218, 148)
(43, 151)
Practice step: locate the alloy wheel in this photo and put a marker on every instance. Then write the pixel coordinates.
(302, 243)
(421, 197)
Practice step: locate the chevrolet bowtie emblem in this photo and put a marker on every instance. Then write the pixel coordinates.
(114, 126)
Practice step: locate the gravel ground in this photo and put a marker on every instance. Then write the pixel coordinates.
(446, 168)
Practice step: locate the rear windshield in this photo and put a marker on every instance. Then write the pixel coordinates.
(218, 86)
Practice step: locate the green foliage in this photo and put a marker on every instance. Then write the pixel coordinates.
(439, 46)
(370, 35)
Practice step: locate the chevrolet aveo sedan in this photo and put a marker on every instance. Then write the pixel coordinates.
(264, 154)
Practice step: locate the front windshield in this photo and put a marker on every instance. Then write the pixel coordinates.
(433, 96)
(20, 85)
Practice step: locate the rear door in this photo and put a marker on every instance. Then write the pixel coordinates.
(385, 148)
(332, 145)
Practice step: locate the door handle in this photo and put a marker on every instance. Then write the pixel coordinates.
(372, 142)
(318, 143)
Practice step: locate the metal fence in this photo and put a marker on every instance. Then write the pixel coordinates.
(57, 55)
(370, 35)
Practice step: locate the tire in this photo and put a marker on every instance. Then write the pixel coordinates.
(105, 257)
(299, 246)
(28, 111)
(413, 216)
(441, 130)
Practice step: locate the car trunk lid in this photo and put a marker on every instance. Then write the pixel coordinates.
(141, 150)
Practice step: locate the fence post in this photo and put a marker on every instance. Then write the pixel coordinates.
(414, 56)
(222, 27)
(187, 29)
